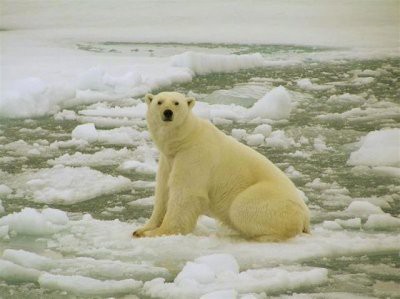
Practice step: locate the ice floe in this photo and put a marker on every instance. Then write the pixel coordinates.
(378, 148)
(67, 185)
(105, 157)
(121, 136)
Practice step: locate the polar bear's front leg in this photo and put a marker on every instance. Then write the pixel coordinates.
(188, 199)
(161, 198)
(184, 208)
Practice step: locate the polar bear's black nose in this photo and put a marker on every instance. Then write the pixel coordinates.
(168, 115)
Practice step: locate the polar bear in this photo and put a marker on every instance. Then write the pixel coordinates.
(203, 171)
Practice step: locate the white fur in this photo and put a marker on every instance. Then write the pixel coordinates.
(203, 171)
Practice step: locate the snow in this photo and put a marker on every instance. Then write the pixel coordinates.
(81, 285)
(32, 222)
(122, 135)
(378, 148)
(202, 64)
(68, 185)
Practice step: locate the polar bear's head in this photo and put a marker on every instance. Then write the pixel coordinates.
(168, 108)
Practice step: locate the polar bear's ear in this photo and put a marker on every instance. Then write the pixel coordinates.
(148, 97)
(191, 101)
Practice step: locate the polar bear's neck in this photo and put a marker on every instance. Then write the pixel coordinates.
(171, 139)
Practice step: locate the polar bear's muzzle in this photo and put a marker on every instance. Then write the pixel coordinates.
(168, 115)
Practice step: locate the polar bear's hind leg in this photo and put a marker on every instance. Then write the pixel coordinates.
(259, 212)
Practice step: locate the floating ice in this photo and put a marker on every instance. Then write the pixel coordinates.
(276, 104)
(363, 208)
(33, 97)
(86, 266)
(202, 64)
(378, 148)
(107, 156)
(346, 98)
(216, 273)
(239, 134)
(81, 285)
(263, 129)
(255, 139)
(12, 272)
(308, 85)
(278, 139)
(382, 221)
(32, 222)
(67, 185)
(123, 135)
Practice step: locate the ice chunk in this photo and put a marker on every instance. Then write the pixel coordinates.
(146, 201)
(346, 98)
(123, 135)
(308, 85)
(200, 280)
(331, 225)
(12, 272)
(67, 185)
(86, 132)
(255, 139)
(276, 104)
(81, 285)
(239, 134)
(38, 98)
(354, 223)
(198, 272)
(378, 148)
(363, 208)
(320, 145)
(32, 222)
(65, 115)
(263, 129)
(202, 64)
(148, 167)
(278, 139)
(382, 221)
(105, 157)
(219, 263)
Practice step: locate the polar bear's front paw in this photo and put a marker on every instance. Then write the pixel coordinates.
(139, 233)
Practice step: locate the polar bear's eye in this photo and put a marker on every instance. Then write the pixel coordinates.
(176, 103)
(159, 102)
